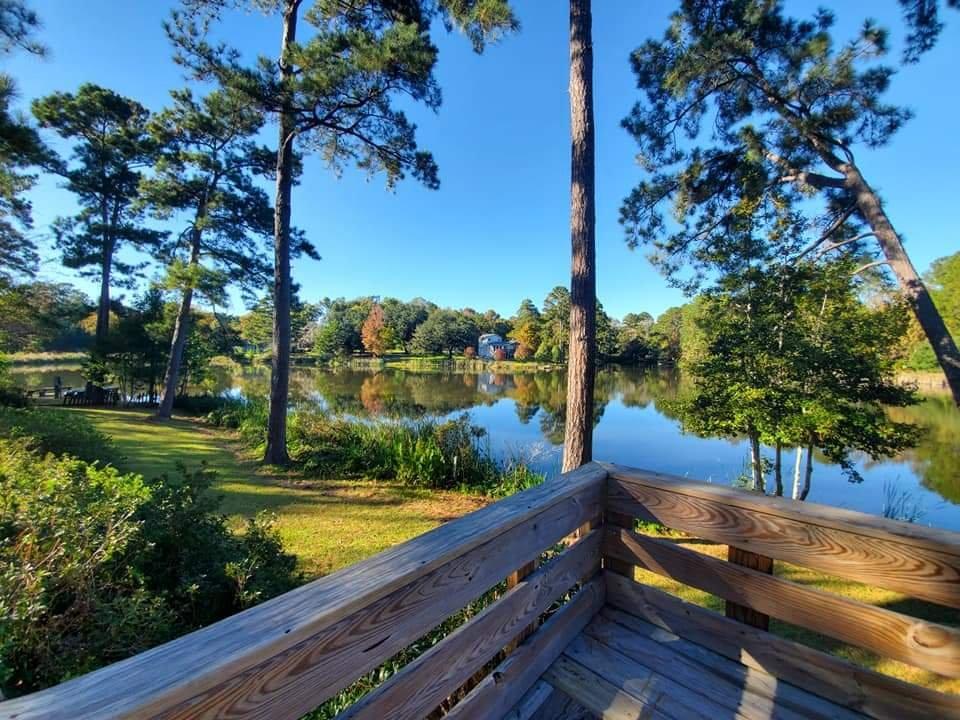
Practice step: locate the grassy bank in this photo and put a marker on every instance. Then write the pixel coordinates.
(331, 523)
(327, 524)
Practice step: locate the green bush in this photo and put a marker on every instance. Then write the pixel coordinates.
(61, 432)
(97, 565)
(248, 417)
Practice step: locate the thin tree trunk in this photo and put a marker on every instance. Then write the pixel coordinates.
(756, 463)
(795, 494)
(578, 437)
(276, 450)
(910, 282)
(808, 474)
(778, 469)
(103, 306)
(181, 329)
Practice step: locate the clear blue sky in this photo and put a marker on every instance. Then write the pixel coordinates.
(497, 230)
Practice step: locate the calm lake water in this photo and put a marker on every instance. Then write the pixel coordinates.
(523, 414)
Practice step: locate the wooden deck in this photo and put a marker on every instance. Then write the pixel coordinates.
(570, 633)
(621, 666)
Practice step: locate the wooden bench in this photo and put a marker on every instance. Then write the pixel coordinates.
(573, 635)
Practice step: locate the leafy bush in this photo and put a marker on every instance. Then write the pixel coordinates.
(435, 454)
(200, 404)
(61, 432)
(499, 354)
(249, 417)
(470, 352)
(96, 565)
(523, 352)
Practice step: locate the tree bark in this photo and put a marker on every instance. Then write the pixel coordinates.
(756, 464)
(808, 474)
(276, 450)
(911, 284)
(106, 265)
(581, 368)
(778, 469)
(181, 329)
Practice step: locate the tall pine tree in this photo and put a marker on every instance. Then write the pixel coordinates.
(788, 111)
(333, 93)
(206, 171)
(111, 146)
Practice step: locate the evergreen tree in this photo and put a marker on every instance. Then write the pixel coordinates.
(20, 148)
(110, 146)
(582, 356)
(333, 93)
(785, 108)
(206, 171)
(555, 326)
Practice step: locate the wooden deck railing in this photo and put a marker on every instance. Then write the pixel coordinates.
(916, 561)
(285, 657)
(288, 655)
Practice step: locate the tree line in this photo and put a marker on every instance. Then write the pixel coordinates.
(789, 112)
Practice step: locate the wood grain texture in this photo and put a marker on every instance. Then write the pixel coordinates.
(916, 561)
(735, 692)
(927, 645)
(423, 684)
(529, 705)
(282, 658)
(504, 687)
(684, 653)
(612, 518)
(599, 695)
(654, 690)
(849, 685)
(742, 613)
(557, 706)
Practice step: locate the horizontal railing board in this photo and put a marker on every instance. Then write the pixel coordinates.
(755, 694)
(926, 645)
(844, 683)
(269, 661)
(423, 684)
(916, 561)
(499, 691)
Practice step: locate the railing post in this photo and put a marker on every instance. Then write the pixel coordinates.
(617, 519)
(754, 561)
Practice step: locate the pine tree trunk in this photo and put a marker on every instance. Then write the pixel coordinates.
(106, 265)
(181, 330)
(276, 450)
(581, 368)
(756, 463)
(912, 286)
(778, 469)
(808, 474)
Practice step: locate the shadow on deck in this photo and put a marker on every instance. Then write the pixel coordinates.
(571, 634)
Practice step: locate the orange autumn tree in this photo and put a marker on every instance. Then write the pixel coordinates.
(376, 335)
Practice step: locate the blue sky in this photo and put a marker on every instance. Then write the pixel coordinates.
(497, 230)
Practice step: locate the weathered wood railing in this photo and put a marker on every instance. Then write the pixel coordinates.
(916, 561)
(285, 657)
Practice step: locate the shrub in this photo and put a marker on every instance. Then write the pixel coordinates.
(248, 417)
(523, 352)
(61, 432)
(499, 354)
(200, 404)
(470, 352)
(96, 565)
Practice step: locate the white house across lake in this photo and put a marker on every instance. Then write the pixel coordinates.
(489, 343)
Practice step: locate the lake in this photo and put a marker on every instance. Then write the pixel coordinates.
(523, 415)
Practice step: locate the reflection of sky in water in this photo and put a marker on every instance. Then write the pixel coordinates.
(631, 430)
(643, 438)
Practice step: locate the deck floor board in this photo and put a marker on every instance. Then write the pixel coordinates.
(622, 667)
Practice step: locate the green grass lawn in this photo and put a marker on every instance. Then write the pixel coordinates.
(330, 524)
(326, 524)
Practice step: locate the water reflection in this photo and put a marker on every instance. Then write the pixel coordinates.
(633, 420)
